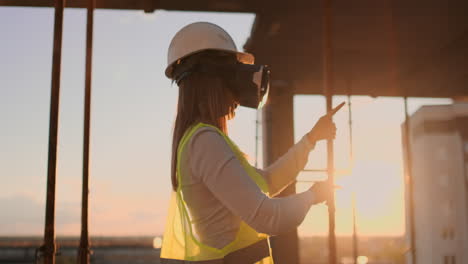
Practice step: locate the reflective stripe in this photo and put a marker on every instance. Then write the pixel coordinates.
(247, 255)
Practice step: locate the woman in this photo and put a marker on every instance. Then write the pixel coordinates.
(222, 209)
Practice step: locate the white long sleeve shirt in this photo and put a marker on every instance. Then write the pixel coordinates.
(219, 193)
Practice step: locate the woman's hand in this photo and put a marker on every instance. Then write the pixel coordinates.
(324, 128)
(322, 191)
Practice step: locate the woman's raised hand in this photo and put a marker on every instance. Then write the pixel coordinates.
(324, 128)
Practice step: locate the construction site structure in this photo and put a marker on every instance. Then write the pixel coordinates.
(384, 48)
(438, 139)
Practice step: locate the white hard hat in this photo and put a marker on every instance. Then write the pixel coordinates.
(201, 36)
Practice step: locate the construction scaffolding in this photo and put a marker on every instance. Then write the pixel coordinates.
(320, 43)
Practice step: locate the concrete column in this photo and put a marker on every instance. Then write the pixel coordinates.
(278, 137)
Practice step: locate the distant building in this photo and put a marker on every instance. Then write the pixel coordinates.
(439, 147)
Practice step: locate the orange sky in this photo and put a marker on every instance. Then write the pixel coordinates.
(377, 171)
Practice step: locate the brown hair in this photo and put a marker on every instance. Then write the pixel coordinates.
(203, 97)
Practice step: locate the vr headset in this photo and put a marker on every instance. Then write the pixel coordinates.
(249, 83)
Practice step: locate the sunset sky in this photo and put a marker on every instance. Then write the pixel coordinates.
(133, 108)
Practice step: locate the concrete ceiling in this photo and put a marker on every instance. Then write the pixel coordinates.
(380, 47)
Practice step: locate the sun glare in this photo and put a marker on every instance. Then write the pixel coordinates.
(157, 242)
(378, 193)
(362, 260)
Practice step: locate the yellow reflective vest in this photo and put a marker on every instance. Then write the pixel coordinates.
(180, 245)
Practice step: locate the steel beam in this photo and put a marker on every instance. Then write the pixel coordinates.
(84, 250)
(49, 247)
(328, 92)
(409, 182)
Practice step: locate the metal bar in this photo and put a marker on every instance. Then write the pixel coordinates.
(149, 6)
(84, 251)
(337, 172)
(355, 238)
(409, 169)
(351, 165)
(315, 170)
(49, 247)
(305, 181)
(394, 52)
(350, 125)
(328, 91)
